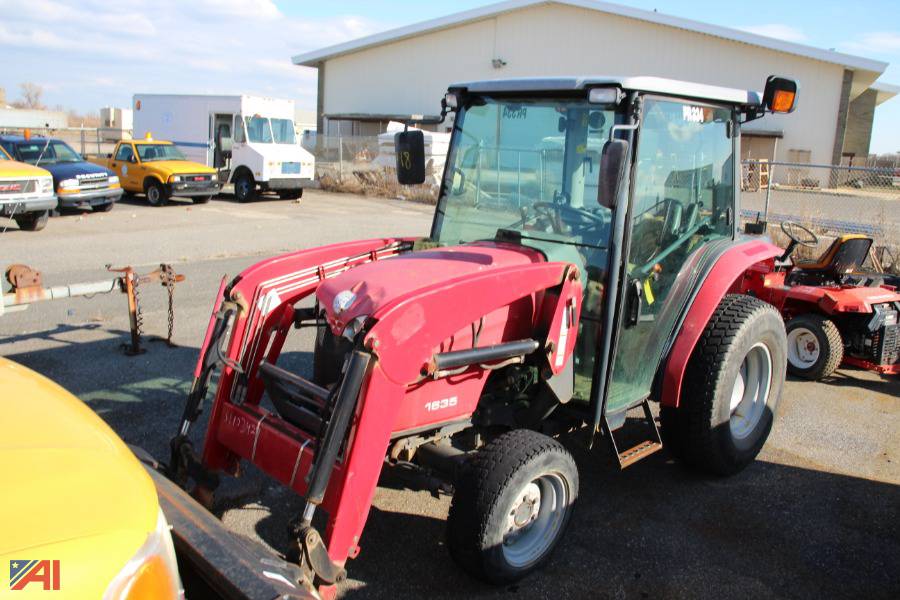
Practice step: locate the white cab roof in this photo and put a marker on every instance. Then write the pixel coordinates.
(657, 85)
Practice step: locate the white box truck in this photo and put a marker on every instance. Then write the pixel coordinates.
(249, 139)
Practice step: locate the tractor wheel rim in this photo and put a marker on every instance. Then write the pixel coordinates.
(750, 393)
(803, 347)
(535, 519)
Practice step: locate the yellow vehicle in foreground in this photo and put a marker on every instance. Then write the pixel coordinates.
(26, 193)
(85, 515)
(78, 512)
(159, 170)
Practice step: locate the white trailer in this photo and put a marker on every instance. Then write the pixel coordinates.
(249, 139)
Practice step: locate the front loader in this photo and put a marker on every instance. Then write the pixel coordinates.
(584, 261)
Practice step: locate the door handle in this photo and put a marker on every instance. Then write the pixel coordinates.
(635, 299)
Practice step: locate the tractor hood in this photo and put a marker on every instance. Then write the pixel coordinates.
(365, 289)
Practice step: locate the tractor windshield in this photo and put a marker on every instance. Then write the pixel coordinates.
(531, 166)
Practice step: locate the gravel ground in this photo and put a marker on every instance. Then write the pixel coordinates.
(818, 515)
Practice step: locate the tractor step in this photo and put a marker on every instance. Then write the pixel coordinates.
(644, 449)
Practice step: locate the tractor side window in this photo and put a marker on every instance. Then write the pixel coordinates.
(125, 153)
(684, 188)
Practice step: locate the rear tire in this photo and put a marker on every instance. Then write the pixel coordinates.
(732, 386)
(156, 193)
(512, 503)
(815, 347)
(34, 221)
(245, 188)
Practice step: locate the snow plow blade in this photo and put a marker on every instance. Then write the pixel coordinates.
(213, 561)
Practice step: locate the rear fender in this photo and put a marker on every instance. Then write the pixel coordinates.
(726, 275)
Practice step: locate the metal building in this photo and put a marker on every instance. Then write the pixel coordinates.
(364, 83)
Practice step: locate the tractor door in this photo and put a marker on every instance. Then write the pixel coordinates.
(682, 197)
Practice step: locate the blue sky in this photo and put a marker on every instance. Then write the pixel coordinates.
(92, 53)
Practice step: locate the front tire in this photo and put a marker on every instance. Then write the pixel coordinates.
(156, 193)
(245, 188)
(34, 221)
(815, 347)
(512, 503)
(732, 386)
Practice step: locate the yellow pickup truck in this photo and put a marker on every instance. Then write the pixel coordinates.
(159, 170)
(26, 193)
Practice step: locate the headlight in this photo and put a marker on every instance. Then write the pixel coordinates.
(46, 185)
(152, 572)
(68, 184)
(177, 178)
(342, 301)
(214, 177)
(354, 327)
(113, 179)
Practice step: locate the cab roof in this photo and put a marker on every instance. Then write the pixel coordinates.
(657, 85)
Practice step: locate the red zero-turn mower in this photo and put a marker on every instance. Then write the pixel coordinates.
(584, 260)
(834, 312)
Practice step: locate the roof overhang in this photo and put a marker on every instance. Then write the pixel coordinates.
(657, 85)
(856, 63)
(884, 91)
(377, 117)
(769, 133)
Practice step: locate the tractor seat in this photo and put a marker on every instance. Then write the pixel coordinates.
(843, 257)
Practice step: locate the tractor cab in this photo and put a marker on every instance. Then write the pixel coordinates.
(631, 179)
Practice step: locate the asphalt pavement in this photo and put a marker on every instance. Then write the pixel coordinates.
(818, 515)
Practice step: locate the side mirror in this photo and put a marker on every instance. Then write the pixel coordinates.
(780, 95)
(612, 172)
(410, 149)
(109, 155)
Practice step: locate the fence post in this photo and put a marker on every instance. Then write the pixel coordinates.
(81, 135)
(768, 190)
(340, 158)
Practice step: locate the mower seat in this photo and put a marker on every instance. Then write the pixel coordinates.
(843, 257)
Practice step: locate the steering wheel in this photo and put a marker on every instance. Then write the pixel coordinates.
(583, 217)
(791, 229)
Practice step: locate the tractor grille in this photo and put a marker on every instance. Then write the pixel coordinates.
(886, 345)
(17, 187)
(93, 181)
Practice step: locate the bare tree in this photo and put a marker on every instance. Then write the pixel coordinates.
(31, 95)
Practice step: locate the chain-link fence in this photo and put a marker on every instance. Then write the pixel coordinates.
(85, 140)
(834, 200)
(365, 165)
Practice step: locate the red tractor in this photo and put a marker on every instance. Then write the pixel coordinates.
(834, 312)
(584, 260)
